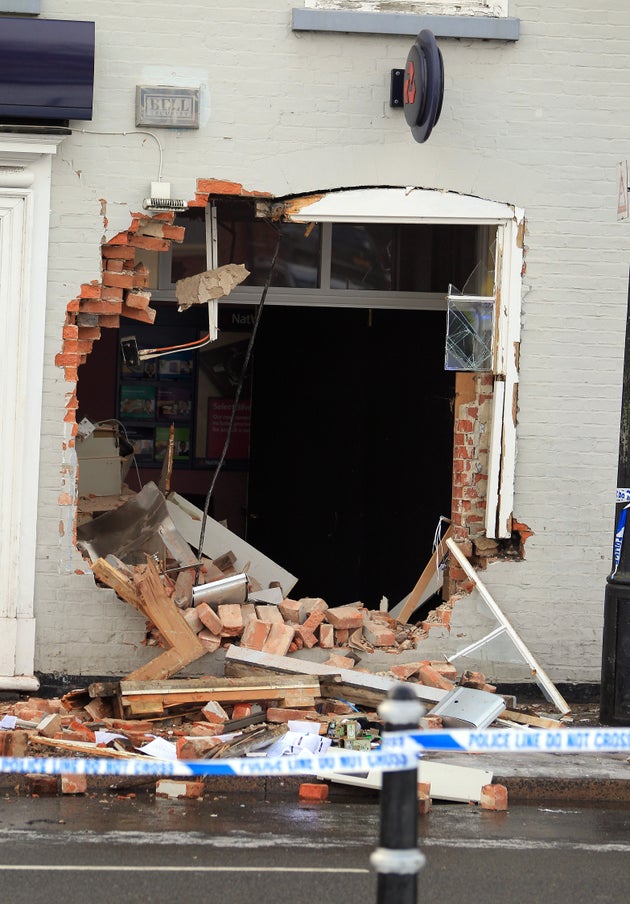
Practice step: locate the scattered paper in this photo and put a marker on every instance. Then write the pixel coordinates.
(8, 722)
(160, 749)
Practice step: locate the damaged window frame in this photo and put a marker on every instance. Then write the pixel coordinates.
(409, 206)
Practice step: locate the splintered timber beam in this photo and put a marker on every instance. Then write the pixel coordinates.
(543, 681)
(150, 598)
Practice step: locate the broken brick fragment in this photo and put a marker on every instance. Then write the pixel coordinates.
(494, 797)
(313, 792)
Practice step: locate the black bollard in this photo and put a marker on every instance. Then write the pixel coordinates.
(397, 860)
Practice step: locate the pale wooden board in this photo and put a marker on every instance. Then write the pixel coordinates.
(426, 585)
(219, 540)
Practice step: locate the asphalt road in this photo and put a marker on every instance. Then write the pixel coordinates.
(103, 849)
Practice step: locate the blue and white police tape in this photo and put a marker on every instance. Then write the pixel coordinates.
(399, 751)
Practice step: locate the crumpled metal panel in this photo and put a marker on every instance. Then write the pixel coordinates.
(140, 527)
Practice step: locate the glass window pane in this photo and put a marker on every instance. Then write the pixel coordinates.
(429, 257)
(189, 257)
(362, 256)
(245, 240)
(419, 257)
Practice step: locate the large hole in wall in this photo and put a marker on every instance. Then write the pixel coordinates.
(342, 462)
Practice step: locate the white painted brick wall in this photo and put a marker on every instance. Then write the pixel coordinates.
(540, 123)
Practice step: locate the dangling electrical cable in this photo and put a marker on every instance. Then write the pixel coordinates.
(237, 394)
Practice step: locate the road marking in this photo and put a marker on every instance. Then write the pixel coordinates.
(524, 844)
(56, 867)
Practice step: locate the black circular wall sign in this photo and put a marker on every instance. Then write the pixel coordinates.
(423, 89)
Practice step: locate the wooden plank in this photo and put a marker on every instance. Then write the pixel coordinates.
(211, 683)
(168, 663)
(113, 578)
(536, 721)
(416, 597)
(86, 747)
(169, 621)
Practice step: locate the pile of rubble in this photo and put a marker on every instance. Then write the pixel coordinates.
(293, 669)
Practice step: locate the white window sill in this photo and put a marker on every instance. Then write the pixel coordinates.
(481, 27)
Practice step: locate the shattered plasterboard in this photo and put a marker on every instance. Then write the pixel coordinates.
(218, 540)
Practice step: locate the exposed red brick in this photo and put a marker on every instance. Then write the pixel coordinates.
(144, 315)
(101, 307)
(109, 321)
(148, 243)
(115, 252)
(90, 290)
(118, 280)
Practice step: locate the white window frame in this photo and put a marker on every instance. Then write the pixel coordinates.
(414, 205)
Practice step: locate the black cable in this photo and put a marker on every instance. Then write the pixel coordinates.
(241, 382)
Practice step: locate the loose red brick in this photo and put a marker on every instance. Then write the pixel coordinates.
(270, 614)
(214, 712)
(432, 678)
(340, 662)
(307, 637)
(209, 618)
(378, 635)
(232, 619)
(74, 784)
(42, 785)
(144, 315)
(14, 742)
(191, 748)
(292, 611)
(314, 619)
(255, 634)
(210, 641)
(312, 792)
(278, 640)
(242, 710)
(494, 797)
(345, 617)
(326, 636)
(178, 790)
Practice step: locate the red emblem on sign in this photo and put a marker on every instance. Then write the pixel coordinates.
(410, 84)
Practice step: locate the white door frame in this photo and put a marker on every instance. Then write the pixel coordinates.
(25, 179)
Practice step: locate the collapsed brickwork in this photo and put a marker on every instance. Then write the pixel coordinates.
(122, 292)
